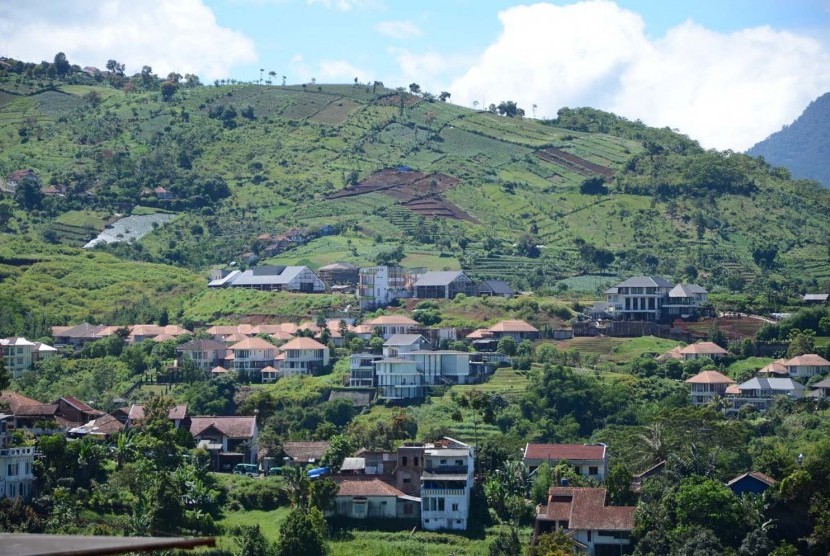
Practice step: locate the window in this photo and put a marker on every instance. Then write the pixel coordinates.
(441, 505)
(459, 462)
(589, 536)
(443, 462)
(407, 481)
(415, 461)
(403, 461)
(455, 507)
(407, 509)
(13, 469)
(593, 471)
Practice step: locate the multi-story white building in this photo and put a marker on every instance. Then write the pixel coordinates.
(16, 475)
(206, 354)
(407, 375)
(362, 370)
(762, 392)
(805, 366)
(378, 286)
(399, 379)
(652, 298)
(400, 344)
(19, 354)
(302, 356)
(446, 482)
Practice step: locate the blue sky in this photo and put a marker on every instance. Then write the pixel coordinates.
(727, 72)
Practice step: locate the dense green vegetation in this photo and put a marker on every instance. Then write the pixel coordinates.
(242, 160)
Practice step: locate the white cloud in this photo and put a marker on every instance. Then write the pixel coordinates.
(428, 69)
(327, 71)
(169, 35)
(348, 5)
(398, 29)
(726, 90)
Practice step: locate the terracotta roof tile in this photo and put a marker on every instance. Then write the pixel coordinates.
(710, 377)
(232, 427)
(810, 359)
(513, 326)
(386, 320)
(253, 343)
(703, 348)
(375, 487)
(305, 451)
(302, 343)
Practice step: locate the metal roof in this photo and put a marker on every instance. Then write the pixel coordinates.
(645, 282)
(268, 276)
(439, 278)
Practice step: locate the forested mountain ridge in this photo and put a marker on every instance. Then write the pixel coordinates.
(802, 147)
(569, 203)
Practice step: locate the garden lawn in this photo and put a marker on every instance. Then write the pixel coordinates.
(750, 364)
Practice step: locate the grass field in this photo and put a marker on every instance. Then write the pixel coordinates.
(214, 305)
(367, 541)
(505, 381)
(750, 364)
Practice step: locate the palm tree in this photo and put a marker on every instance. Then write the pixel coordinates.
(124, 448)
(272, 74)
(654, 444)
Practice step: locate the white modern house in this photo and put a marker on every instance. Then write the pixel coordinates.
(442, 366)
(400, 344)
(206, 354)
(652, 298)
(446, 482)
(362, 369)
(399, 379)
(16, 463)
(407, 375)
(762, 392)
(302, 356)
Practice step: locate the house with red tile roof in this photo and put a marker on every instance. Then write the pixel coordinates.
(229, 440)
(807, 365)
(706, 385)
(517, 329)
(588, 460)
(582, 515)
(374, 499)
(776, 368)
(302, 356)
(392, 324)
(177, 414)
(251, 355)
(701, 350)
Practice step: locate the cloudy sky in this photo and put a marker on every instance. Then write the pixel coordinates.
(726, 72)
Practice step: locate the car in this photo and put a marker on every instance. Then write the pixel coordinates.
(274, 471)
(248, 469)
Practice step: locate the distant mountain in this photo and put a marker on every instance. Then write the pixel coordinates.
(804, 146)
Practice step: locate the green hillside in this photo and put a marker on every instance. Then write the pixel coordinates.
(387, 168)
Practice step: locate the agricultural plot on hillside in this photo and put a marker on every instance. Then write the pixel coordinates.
(56, 104)
(336, 112)
(6, 98)
(479, 148)
(511, 130)
(573, 163)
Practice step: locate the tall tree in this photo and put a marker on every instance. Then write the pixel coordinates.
(302, 534)
(62, 65)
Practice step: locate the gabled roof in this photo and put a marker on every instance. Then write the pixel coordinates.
(155, 330)
(498, 287)
(338, 266)
(439, 278)
(775, 368)
(136, 412)
(513, 326)
(479, 333)
(404, 340)
(776, 384)
(822, 383)
(302, 343)
(201, 345)
(78, 404)
(703, 348)
(304, 452)
(104, 425)
(766, 479)
(584, 509)
(15, 341)
(710, 377)
(84, 330)
(558, 452)
(686, 290)
(386, 320)
(253, 343)
(21, 406)
(232, 427)
(163, 338)
(225, 330)
(645, 282)
(808, 359)
(375, 487)
(219, 369)
(269, 275)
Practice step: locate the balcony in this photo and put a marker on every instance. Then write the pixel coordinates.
(446, 469)
(429, 492)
